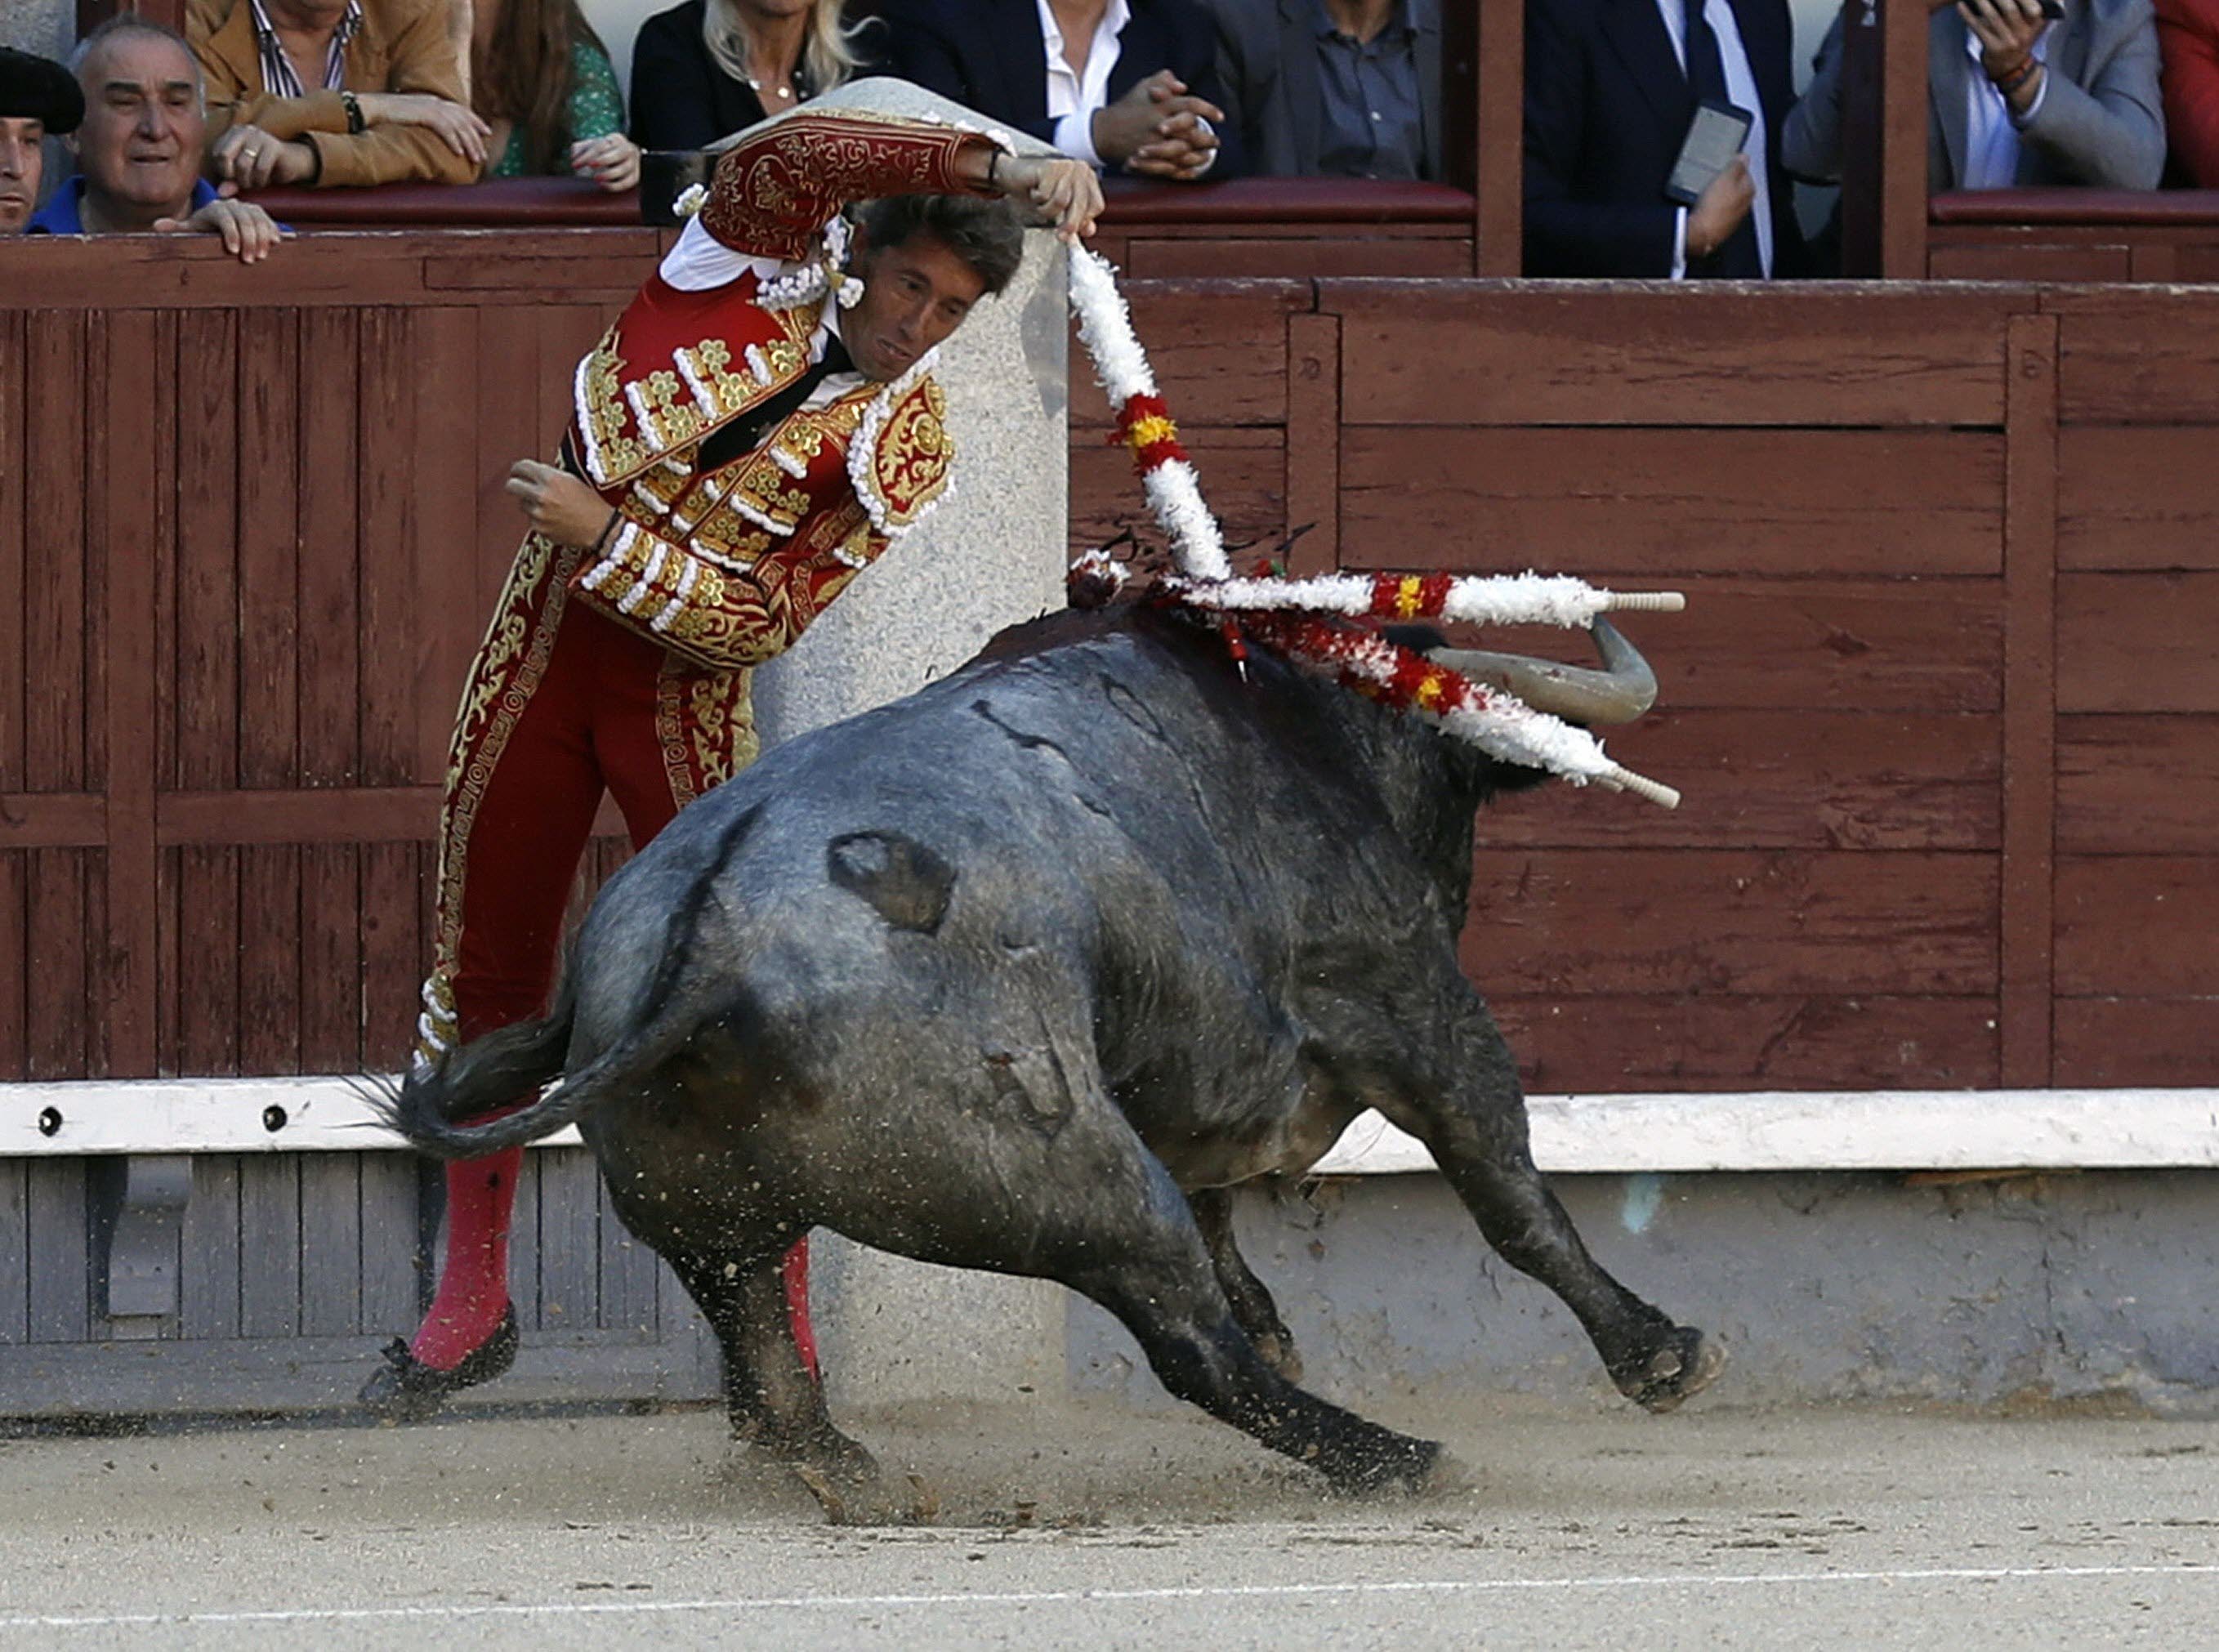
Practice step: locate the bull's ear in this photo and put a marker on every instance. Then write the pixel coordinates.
(1619, 692)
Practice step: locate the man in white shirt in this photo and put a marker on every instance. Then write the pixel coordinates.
(2018, 97)
(1129, 84)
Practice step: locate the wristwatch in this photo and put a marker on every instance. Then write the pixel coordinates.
(355, 122)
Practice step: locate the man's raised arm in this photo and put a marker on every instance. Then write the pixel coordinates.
(775, 190)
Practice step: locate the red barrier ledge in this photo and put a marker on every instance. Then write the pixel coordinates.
(565, 203)
(2012, 208)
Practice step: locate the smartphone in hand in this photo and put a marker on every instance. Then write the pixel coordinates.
(1714, 138)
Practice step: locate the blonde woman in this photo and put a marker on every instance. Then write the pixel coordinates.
(706, 69)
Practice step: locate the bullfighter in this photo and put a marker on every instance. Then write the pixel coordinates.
(755, 430)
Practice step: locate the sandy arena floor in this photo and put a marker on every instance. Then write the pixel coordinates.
(1098, 1527)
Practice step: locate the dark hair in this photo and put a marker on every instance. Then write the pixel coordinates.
(985, 234)
(525, 74)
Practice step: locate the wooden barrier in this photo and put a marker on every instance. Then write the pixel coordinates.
(1943, 705)
(246, 550)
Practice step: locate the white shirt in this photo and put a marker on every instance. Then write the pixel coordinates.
(1991, 128)
(1071, 98)
(1741, 88)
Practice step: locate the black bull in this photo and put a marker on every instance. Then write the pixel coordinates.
(1021, 973)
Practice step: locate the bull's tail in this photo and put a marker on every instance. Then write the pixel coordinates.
(490, 1072)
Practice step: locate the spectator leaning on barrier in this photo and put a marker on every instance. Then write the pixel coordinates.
(541, 79)
(1129, 83)
(337, 92)
(709, 68)
(139, 147)
(2017, 98)
(2188, 36)
(1612, 92)
(1332, 88)
(39, 99)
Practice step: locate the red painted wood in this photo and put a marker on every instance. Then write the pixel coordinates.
(57, 626)
(2136, 497)
(1764, 779)
(129, 507)
(1832, 475)
(1315, 485)
(2137, 785)
(204, 691)
(1729, 922)
(2030, 699)
(2138, 1041)
(1598, 1043)
(2137, 925)
(2137, 641)
(15, 415)
(1565, 353)
(269, 553)
(1686, 500)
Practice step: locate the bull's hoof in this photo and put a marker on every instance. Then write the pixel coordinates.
(1408, 1468)
(1278, 1349)
(873, 1501)
(1689, 1362)
(406, 1390)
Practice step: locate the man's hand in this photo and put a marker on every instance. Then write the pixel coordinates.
(252, 158)
(248, 231)
(612, 162)
(1183, 153)
(1157, 109)
(1064, 191)
(2006, 30)
(457, 126)
(557, 504)
(1718, 211)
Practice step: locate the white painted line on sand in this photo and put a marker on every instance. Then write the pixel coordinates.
(1096, 1597)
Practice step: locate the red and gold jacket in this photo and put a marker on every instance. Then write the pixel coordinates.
(730, 566)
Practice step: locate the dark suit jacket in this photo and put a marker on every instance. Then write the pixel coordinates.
(990, 56)
(681, 100)
(1267, 60)
(1607, 108)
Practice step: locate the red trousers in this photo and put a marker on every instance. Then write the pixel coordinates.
(563, 704)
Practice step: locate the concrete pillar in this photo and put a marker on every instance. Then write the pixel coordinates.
(47, 27)
(993, 553)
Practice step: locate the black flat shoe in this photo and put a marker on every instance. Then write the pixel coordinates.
(407, 1390)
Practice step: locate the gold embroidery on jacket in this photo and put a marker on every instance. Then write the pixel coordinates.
(909, 467)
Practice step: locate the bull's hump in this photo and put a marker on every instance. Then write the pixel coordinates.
(905, 882)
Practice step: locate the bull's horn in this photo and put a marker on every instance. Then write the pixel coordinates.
(1621, 692)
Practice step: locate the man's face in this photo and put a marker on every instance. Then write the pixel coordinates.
(914, 296)
(140, 142)
(22, 161)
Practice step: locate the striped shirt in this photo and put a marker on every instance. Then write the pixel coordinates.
(279, 78)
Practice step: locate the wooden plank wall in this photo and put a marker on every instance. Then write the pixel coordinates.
(2073, 252)
(1944, 705)
(245, 611)
(237, 617)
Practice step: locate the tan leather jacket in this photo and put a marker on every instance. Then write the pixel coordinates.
(402, 47)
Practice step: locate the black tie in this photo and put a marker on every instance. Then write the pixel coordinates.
(1737, 260)
(744, 434)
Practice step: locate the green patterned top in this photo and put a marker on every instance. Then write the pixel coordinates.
(596, 110)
